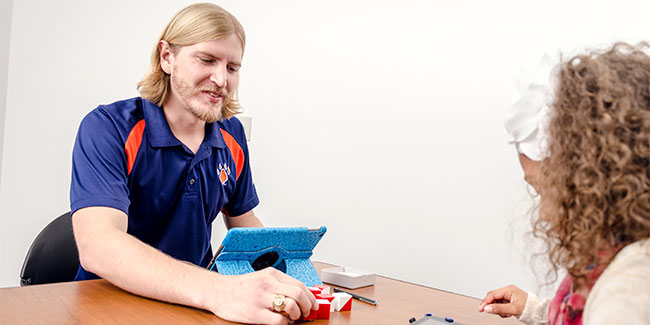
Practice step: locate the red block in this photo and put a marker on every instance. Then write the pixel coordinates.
(323, 309)
(323, 288)
(313, 314)
(347, 306)
(315, 290)
(325, 296)
(342, 301)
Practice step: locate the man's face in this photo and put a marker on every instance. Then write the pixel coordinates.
(204, 75)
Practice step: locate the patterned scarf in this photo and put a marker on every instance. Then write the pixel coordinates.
(568, 303)
(566, 307)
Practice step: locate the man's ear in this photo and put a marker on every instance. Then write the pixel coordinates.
(166, 56)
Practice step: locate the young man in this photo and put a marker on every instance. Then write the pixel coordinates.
(150, 175)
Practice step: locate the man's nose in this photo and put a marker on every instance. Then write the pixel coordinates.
(220, 76)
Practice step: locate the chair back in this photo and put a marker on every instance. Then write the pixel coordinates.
(53, 256)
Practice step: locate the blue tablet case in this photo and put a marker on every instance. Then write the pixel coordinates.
(247, 250)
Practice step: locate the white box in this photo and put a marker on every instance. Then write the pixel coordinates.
(347, 277)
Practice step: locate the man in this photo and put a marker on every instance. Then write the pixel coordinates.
(150, 175)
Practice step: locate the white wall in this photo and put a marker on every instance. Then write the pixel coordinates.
(5, 32)
(382, 121)
(5, 28)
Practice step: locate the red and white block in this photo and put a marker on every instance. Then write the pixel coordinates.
(342, 301)
(327, 297)
(323, 288)
(315, 291)
(324, 300)
(320, 289)
(323, 311)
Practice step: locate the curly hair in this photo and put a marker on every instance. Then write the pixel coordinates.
(595, 183)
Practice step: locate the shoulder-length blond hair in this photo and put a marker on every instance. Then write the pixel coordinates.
(194, 24)
(595, 183)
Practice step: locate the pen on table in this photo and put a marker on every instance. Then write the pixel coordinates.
(364, 299)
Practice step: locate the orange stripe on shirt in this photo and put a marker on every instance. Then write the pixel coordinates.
(132, 144)
(235, 150)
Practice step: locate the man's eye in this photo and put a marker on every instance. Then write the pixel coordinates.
(204, 60)
(233, 69)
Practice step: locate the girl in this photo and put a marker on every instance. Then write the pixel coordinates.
(594, 214)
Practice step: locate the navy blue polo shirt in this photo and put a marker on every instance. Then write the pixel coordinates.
(126, 157)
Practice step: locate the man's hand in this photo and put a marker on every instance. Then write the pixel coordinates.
(107, 250)
(505, 302)
(248, 298)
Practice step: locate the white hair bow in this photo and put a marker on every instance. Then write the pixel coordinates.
(527, 119)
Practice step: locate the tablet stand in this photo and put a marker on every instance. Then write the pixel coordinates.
(247, 250)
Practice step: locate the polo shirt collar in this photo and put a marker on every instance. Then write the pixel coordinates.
(160, 135)
(213, 136)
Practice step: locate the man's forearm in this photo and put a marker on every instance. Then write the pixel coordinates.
(108, 251)
(141, 269)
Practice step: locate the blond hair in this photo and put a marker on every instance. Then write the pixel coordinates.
(194, 24)
(595, 184)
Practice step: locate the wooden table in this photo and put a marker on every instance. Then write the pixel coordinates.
(99, 302)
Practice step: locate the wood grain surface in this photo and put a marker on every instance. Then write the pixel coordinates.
(100, 302)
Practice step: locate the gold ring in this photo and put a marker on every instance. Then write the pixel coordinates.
(279, 302)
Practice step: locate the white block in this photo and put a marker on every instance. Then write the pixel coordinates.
(326, 289)
(340, 299)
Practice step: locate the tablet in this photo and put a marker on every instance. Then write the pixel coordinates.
(432, 320)
(287, 249)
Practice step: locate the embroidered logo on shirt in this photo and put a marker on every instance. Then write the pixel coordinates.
(224, 171)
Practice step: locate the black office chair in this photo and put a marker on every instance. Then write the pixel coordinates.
(53, 256)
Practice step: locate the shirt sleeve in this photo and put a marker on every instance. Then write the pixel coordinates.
(536, 310)
(244, 198)
(622, 293)
(99, 175)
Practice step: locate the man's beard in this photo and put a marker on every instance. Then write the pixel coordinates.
(213, 112)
